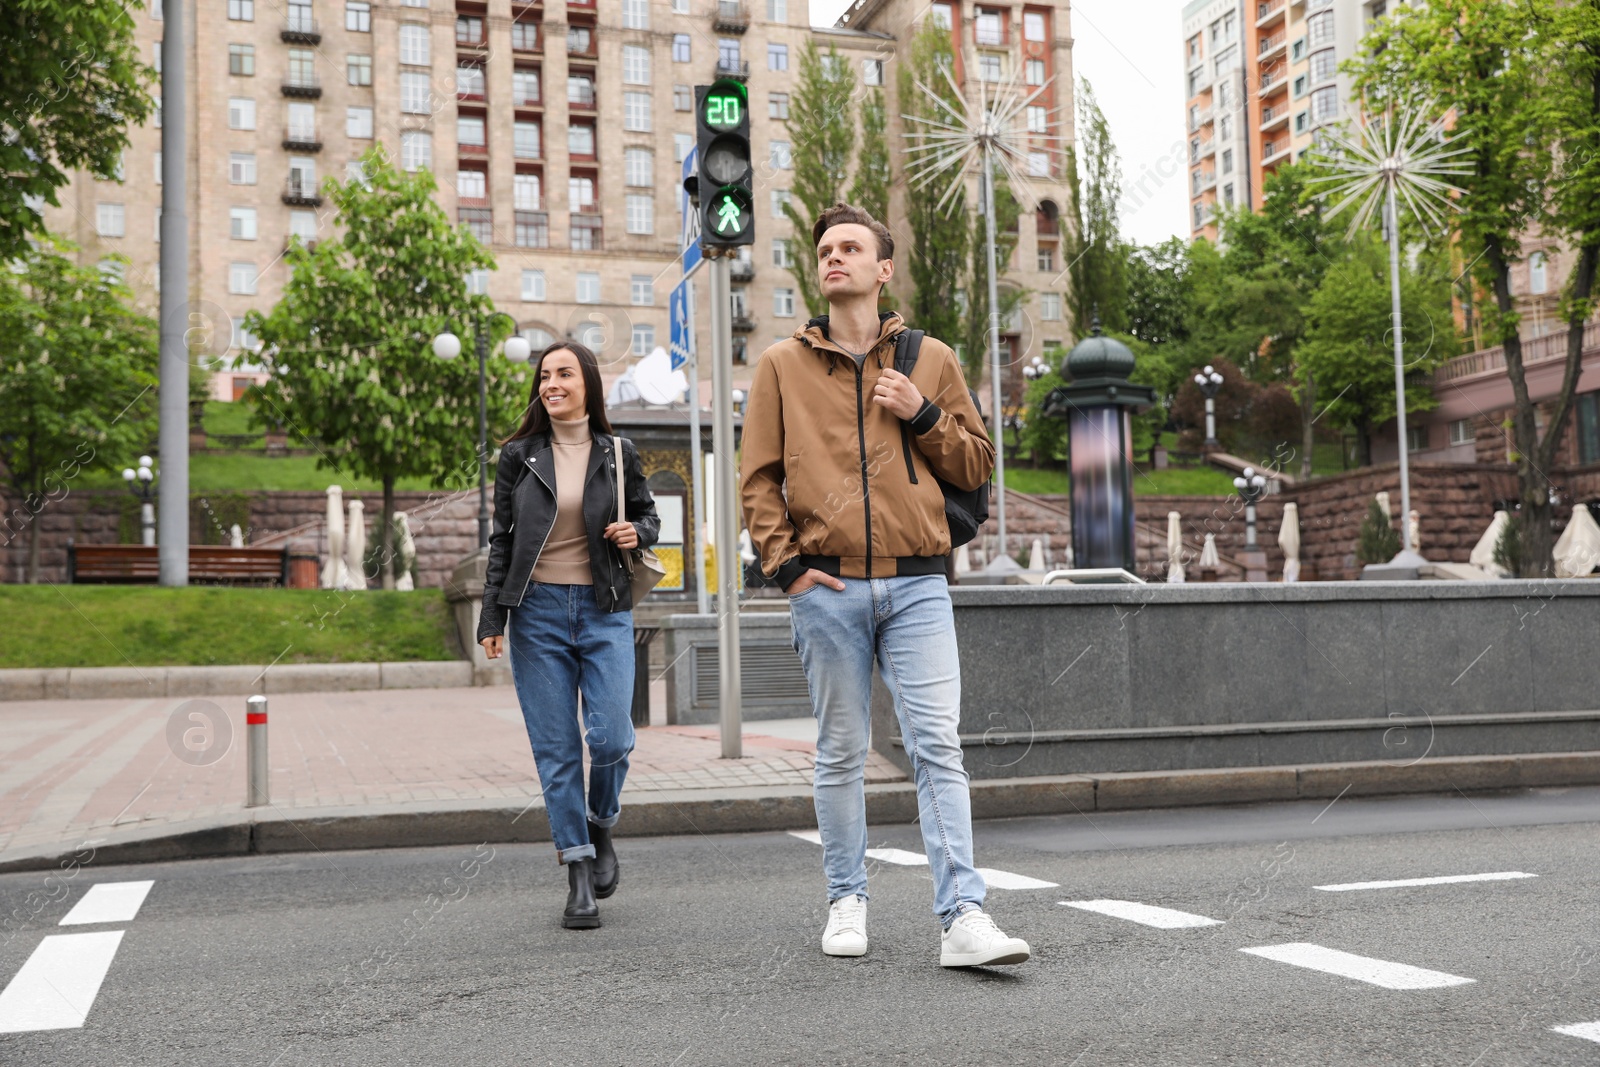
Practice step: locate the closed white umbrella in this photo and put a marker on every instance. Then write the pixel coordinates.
(1174, 548)
(1289, 541)
(333, 569)
(1036, 555)
(1383, 502)
(1414, 525)
(355, 547)
(406, 547)
(1208, 552)
(1483, 552)
(1577, 550)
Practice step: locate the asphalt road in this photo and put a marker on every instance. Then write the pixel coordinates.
(709, 951)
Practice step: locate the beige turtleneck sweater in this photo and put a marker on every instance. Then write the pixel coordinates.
(565, 559)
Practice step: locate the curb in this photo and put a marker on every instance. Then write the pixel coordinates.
(757, 810)
(91, 683)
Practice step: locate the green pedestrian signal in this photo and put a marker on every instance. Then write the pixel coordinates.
(724, 182)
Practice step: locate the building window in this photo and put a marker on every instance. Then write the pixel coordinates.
(1038, 119)
(780, 200)
(1324, 104)
(470, 132)
(358, 16)
(1227, 195)
(358, 123)
(356, 174)
(302, 66)
(635, 14)
(872, 72)
(580, 194)
(302, 125)
(1045, 258)
(777, 57)
(1298, 89)
(783, 303)
(1033, 71)
(580, 90)
(526, 194)
(681, 144)
(416, 149)
(728, 52)
(358, 69)
(477, 282)
(681, 50)
(414, 92)
(644, 338)
(110, 220)
(414, 45)
(641, 290)
(469, 82)
(1199, 215)
(987, 30)
(156, 158)
(1033, 25)
(941, 15)
(777, 10)
(242, 10)
(1050, 307)
(524, 87)
(683, 98)
(777, 105)
(1301, 121)
(1416, 438)
(242, 168)
(415, 3)
(1225, 128)
(991, 66)
(1324, 66)
(1320, 26)
(525, 140)
(1038, 164)
(636, 112)
(472, 185)
(635, 65)
(242, 223)
(1588, 428)
(639, 167)
(469, 30)
(533, 285)
(680, 7)
(242, 60)
(780, 155)
(303, 224)
(1461, 432)
(533, 231)
(586, 233)
(478, 221)
(781, 254)
(1227, 161)
(242, 279)
(241, 113)
(525, 36)
(641, 209)
(580, 140)
(580, 41)
(1538, 275)
(588, 288)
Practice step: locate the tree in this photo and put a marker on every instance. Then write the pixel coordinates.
(823, 133)
(936, 260)
(1158, 291)
(870, 189)
(70, 87)
(349, 346)
(1093, 250)
(76, 377)
(1349, 343)
(1493, 67)
(1377, 541)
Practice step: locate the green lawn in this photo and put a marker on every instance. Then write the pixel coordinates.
(218, 472)
(119, 626)
(1174, 481)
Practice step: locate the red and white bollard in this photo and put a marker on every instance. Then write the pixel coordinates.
(255, 719)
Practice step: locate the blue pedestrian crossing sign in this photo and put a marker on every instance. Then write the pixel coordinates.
(682, 324)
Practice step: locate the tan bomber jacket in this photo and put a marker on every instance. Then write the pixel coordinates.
(824, 480)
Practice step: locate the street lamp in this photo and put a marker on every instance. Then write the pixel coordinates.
(1210, 383)
(448, 346)
(1034, 369)
(1251, 486)
(141, 484)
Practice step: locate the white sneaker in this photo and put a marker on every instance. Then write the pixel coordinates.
(973, 940)
(846, 934)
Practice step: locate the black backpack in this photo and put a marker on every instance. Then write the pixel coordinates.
(964, 510)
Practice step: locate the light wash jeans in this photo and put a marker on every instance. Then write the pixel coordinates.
(561, 644)
(907, 626)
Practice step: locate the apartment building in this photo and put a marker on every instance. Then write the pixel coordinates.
(556, 130)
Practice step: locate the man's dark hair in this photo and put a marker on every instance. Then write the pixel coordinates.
(842, 213)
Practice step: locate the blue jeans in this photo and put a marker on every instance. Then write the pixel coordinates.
(561, 644)
(907, 626)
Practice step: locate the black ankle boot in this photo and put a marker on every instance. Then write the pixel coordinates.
(606, 870)
(582, 912)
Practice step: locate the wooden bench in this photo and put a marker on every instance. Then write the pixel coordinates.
(208, 565)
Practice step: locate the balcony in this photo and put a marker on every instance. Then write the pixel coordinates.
(300, 28)
(580, 95)
(731, 17)
(742, 270)
(476, 151)
(302, 86)
(1275, 152)
(300, 191)
(1273, 117)
(1203, 150)
(1273, 80)
(1271, 46)
(1200, 118)
(743, 323)
(733, 68)
(300, 139)
(1202, 181)
(1269, 11)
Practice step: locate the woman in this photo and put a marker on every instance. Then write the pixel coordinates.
(556, 596)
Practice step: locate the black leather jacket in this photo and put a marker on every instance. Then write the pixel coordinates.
(525, 511)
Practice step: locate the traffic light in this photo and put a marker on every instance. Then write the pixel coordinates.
(722, 128)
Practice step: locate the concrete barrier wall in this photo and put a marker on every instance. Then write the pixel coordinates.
(1069, 680)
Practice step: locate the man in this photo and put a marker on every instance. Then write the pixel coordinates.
(854, 530)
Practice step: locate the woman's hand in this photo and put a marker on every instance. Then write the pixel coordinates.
(623, 534)
(494, 646)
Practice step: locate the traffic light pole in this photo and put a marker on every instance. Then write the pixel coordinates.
(730, 693)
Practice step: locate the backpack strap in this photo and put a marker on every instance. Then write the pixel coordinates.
(906, 348)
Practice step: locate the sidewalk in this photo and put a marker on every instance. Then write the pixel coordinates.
(76, 771)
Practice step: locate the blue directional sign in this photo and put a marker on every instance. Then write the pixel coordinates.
(682, 324)
(690, 242)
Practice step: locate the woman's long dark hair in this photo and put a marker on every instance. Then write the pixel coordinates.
(537, 419)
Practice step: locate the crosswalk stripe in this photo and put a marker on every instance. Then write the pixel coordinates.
(901, 857)
(57, 985)
(1448, 879)
(898, 855)
(108, 902)
(1587, 1031)
(1144, 914)
(814, 836)
(1006, 880)
(1384, 973)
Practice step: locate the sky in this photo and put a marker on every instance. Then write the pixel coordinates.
(1131, 53)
